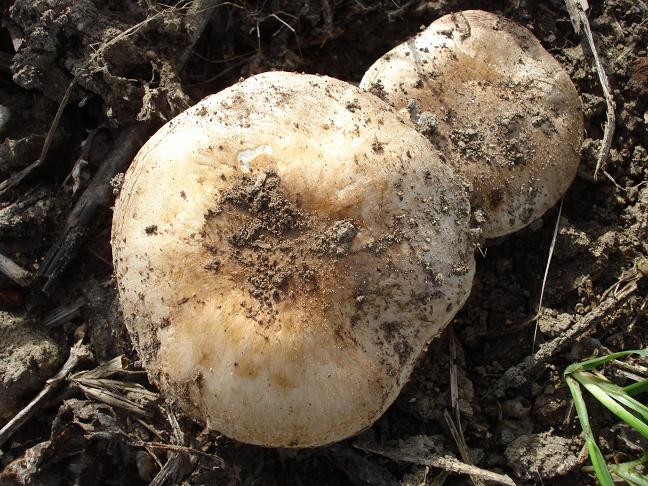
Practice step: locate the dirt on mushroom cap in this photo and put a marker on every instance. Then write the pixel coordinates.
(280, 253)
(278, 249)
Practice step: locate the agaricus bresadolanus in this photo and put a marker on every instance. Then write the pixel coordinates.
(284, 251)
(496, 104)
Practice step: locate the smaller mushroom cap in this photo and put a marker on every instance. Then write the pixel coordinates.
(284, 251)
(496, 104)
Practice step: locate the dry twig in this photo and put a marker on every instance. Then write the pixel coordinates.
(13, 271)
(14, 210)
(546, 274)
(177, 448)
(577, 9)
(173, 470)
(64, 313)
(98, 385)
(518, 375)
(460, 441)
(128, 141)
(447, 463)
(454, 425)
(17, 178)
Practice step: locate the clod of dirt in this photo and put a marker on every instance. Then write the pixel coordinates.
(550, 408)
(496, 104)
(512, 428)
(553, 323)
(87, 38)
(301, 260)
(16, 154)
(541, 456)
(516, 408)
(106, 332)
(27, 469)
(581, 253)
(28, 357)
(26, 120)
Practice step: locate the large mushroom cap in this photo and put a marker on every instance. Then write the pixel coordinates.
(284, 251)
(498, 106)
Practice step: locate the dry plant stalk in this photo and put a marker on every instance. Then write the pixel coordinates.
(577, 9)
(447, 463)
(454, 425)
(98, 385)
(79, 352)
(517, 375)
(13, 271)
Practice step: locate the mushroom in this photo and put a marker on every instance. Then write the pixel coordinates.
(284, 251)
(496, 104)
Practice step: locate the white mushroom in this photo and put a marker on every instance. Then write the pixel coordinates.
(284, 251)
(496, 104)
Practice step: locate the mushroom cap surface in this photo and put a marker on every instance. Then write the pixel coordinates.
(284, 251)
(497, 106)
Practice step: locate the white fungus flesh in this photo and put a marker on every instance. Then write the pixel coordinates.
(499, 108)
(284, 251)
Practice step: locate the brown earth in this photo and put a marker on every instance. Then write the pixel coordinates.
(132, 65)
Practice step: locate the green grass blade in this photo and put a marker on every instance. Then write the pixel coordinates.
(598, 462)
(613, 406)
(581, 408)
(632, 404)
(629, 471)
(633, 479)
(617, 400)
(595, 362)
(596, 456)
(614, 391)
(636, 388)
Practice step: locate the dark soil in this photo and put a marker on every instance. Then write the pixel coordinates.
(522, 426)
